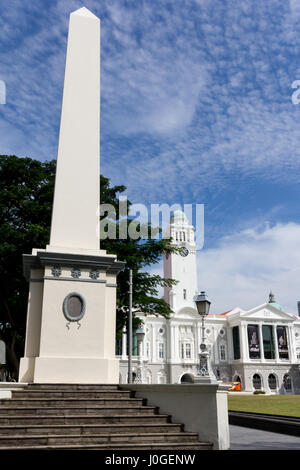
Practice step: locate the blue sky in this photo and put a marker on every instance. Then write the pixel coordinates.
(195, 108)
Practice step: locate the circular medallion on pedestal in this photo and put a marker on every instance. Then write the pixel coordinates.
(74, 307)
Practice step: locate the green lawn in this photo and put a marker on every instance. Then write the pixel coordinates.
(284, 405)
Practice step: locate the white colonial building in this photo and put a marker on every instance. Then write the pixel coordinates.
(260, 348)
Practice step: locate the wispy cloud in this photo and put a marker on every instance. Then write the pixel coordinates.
(246, 265)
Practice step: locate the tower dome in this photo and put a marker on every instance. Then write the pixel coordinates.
(178, 217)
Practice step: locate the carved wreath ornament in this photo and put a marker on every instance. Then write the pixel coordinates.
(74, 307)
(76, 273)
(56, 271)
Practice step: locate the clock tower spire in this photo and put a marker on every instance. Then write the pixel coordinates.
(181, 266)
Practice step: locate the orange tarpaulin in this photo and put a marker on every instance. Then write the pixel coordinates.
(234, 386)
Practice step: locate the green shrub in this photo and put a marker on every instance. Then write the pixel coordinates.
(259, 392)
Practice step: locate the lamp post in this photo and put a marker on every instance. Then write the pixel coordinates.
(204, 371)
(130, 330)
(140, 372)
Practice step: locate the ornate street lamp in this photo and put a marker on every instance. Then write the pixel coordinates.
(140, 334)
(204, 372)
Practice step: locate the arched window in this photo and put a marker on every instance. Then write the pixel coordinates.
(236, 342)
(287, 382)
(186, 378)
(256, 382)
(237, 378)
(161, 350)
(222, 351)
(272, 382)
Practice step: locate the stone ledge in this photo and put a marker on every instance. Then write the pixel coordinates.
(201, 407)
(6, 388)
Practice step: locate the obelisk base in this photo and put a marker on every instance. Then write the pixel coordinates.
(69, 370)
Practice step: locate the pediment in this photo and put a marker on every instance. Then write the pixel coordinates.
(187, 313)
(267, 312)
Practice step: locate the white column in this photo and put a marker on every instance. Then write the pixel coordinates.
(261, 343)
(176, 348)
(77, 192)
(244, 342)
(154, 348)
(275, 343)
(230, 352)
(195, 340)
(215, 345)
(168, 342)
(172, 344)
(151, 358)
(195, 335)
(290, 342)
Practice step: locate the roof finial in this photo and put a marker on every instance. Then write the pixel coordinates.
(271, 297)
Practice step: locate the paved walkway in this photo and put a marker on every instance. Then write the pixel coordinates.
(242, 438)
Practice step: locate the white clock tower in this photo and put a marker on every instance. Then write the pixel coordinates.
(181, 266)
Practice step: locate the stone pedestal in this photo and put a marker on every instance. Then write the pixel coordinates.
(70, 319)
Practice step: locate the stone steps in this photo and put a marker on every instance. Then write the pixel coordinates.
(95, 439)
(6, 411)
(83, 416)
(134, 447)
(73, 387)
(100, 394)
(70, 402)
(91, 429)
(85, 419)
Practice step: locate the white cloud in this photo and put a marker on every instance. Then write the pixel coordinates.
(245, 266)
(152, 71)
(295, 7)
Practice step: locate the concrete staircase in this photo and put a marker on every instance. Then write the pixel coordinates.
(63, 416)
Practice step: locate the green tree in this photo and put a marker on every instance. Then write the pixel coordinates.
(26, 192)
(26, 195)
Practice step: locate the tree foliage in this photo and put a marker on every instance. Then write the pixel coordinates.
(26, 192)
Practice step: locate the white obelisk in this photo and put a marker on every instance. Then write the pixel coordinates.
(71, 317)
(74, 218)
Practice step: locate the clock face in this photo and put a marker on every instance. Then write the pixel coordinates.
(184, 251)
